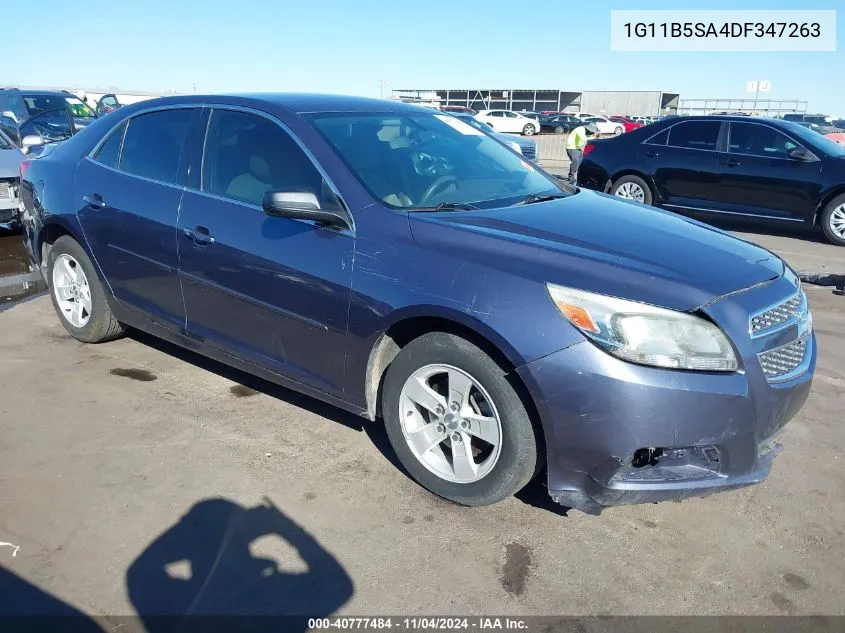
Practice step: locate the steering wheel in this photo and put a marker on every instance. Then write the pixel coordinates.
(436, 187)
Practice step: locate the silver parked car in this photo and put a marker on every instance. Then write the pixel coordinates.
(10, 164)
(524, 146)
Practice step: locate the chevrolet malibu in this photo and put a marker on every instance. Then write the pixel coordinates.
(398, 263)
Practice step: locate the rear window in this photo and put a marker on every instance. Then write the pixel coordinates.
(109, 151)
(695, 135)
(153, 144)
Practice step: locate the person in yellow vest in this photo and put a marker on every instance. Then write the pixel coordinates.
(575, 146)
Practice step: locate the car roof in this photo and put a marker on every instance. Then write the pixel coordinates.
(40, 93)
(291, 102)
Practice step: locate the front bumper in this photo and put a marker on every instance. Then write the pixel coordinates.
(619, 433)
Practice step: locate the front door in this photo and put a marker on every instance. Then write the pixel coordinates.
(758, 175)
(128, 195)
(273, 291)
(684, 163)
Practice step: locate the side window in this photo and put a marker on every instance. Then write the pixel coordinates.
(153, 144)
(759, 140)
(497, 113)
(510, 115)
(695, 135)
(109, 151)
(247, 155)
(659, 138)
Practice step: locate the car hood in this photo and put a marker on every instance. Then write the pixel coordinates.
(602, 244)
(10, 160)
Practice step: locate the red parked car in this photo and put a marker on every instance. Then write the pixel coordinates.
(627, 123)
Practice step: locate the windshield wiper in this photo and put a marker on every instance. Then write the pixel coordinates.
(540, 197)
(446, 206)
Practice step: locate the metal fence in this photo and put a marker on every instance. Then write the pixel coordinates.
(759, 107)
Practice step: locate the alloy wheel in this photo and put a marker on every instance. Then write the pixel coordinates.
(837, 221)
(450, 423)
(72, 292)
(631, 191)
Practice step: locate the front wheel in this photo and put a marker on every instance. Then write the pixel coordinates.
(456, 423)
(78, 296)
(559, 129)
(529, 130)
(833, 221)
(618, 131)
(632, 188)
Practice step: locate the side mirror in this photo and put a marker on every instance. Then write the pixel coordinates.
(799, 153)
(29, 141)
(302, 205)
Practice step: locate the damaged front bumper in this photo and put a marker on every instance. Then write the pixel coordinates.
(618, 433)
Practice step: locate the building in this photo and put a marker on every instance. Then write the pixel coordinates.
(759, 107)
(609, 102)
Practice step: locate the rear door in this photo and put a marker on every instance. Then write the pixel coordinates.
(273, 291)
(129, 191)
(683, 162)
(759, 177)
(512, 123)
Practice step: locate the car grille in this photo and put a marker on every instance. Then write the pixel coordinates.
(784, 360)
(529, 151)
(5, 191)
(788, 311)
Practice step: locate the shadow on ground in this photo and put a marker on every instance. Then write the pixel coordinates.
(226, 567)
(222, 567)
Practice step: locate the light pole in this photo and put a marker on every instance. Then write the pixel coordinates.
(381, 84)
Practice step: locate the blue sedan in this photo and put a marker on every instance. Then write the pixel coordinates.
(401, 264)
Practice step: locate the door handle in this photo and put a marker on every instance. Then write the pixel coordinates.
(199, 235)
(95, 201)
(652, 154)
(731, 163)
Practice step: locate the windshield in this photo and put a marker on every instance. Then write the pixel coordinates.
(36, 104)
(422, 160)
(816, 140)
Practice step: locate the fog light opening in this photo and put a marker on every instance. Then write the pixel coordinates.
(646, 457)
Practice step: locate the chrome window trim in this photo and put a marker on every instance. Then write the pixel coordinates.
(694, 149)
(285, 128)
(763, 124)
(136, 176)
(219, 106)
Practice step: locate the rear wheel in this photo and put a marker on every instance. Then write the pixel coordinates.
(560, 129)
(456, 423)
(618, 131)
(78, 295)
(529, 130)
(632, 188)
(833, 221)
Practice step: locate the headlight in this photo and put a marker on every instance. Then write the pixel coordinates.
(645, 334)
(515, 147)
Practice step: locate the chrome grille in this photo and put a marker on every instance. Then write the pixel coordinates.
(5, 191)
(777, 316)
(783, 360)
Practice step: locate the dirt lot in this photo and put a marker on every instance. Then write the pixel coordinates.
(131, 472)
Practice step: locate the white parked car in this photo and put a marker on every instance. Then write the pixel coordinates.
(605, 125)
(584, 115)
(509, 121)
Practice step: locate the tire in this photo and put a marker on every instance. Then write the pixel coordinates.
(529, 130)
(560, 129)
(518, 457)
(620, 189)
(833, 221)
(100, 325)
(618, 131)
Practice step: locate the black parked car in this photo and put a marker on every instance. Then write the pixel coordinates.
(560, 124)
(42, 116)
(757, 168)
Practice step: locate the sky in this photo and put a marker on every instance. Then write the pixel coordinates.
(351, 47)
